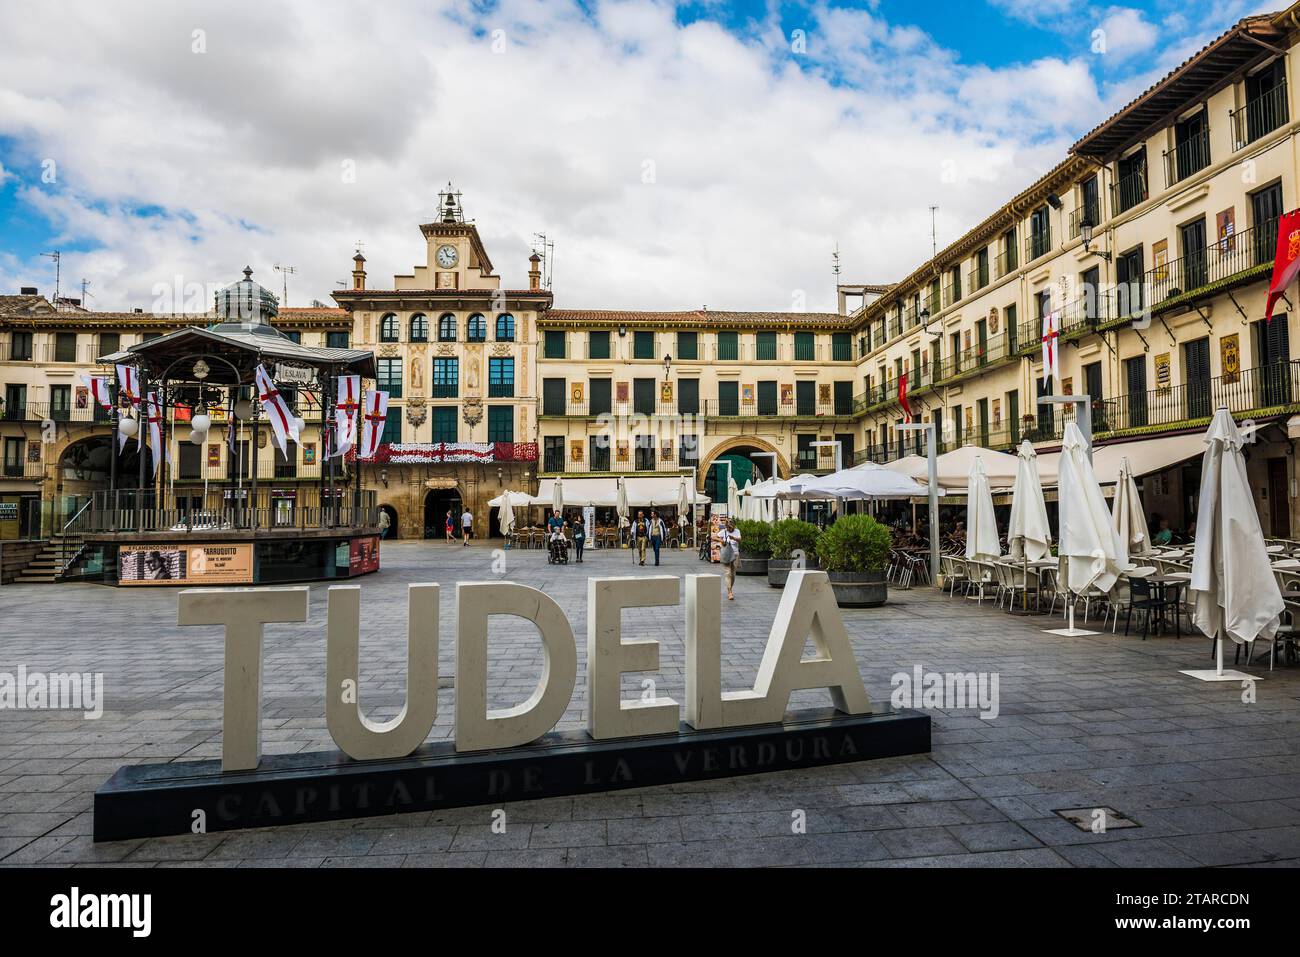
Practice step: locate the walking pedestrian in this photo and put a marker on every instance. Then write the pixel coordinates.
(579, 538)
(640, 537)
(467, 525)
(729, 555)
(450, 527)
(658, 533)
(384, 523)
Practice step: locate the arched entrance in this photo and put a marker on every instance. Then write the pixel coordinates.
(749, 459)
(89, 461)
(392, 520)
(437, 503)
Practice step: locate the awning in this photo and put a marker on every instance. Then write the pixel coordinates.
(641, 491)
(954, 468)
(1146, 456)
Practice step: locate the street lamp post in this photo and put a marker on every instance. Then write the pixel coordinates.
(932, 464)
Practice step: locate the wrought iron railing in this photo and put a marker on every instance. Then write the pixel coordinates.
(1129, 191)
(1259, 117)
(1187, 158)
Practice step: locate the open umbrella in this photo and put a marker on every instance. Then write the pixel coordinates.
(1236, 594)
(867, 482)
(1030, 533)
(981, 522)
(1127, 515)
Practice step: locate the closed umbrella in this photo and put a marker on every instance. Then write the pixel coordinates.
(747, 500)
(1127, 515)
(733, 497)
(1235, 592)
(621, 505)
(506, 516)
(1088, 541)
(683, 504)
(557, 496)
(981, 522)
(1030, 533)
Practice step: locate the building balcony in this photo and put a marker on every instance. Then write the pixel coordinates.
(94, 414)
(1259, 117)
(1188, 158)
(715, 409)
(630, 460)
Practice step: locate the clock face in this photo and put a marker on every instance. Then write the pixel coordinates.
(447, 256)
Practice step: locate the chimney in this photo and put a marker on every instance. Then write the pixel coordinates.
(534, 272)
(358, 271)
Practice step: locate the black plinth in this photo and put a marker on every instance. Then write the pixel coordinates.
(153, 800)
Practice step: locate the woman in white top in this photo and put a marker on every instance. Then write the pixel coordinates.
(730, 549)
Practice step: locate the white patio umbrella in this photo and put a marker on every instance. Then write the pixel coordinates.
(1088, 540)
(621, 505)
(1127, 515)
(1030, 533)
(862, 482)
(747, 501)
(557, 495)
(733, 497)
(683, 504)
(1236, 594)
(981, 522)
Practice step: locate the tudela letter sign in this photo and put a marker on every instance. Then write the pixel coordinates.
(512, 753)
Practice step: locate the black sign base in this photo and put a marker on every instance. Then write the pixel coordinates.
(154, 800)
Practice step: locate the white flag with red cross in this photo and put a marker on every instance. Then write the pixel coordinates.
(98, 386)
(284, 424)
(1051, 339)
(374, 413)
(128, 384)
(346, 408)
(154, 411)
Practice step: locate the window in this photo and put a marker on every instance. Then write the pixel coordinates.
(1009, 323)
(1265, 207)
(1191, 152)
(14, 452)
(598, 345)
(1196, 383)
(501, 378)
(191, 461)
(807, 455)
(65, 347)
(601, 402)
(501, 423)
(1013, 415)
(805, 347)
(444, 423)
(645, 453)
(766, 399)
(392, 428)
(598, 453)
(954, 284)
(1130, 181)
(688, 452)
(337, 340)
(1089, 203)
(446, 378)
(1135, 380)
(1266, 107)
(20, 346)
(1195, 267)
(843, 392)
(806, 397)
(728, 346)
(109, 343)
(389, 377)
(981, 268)
(1040, 232)
(388, 328)
(553, 391)
(294, 336)
(688, 396)
(476, 328)
(765, 346)
(553, 453)
(60, 402)
(728, 398)
(239, 463)
(1008, 258)
(419, 327)
(643, 396)
(643, 345)
(554, 344)
(447, 327)
(1129, 277)
(841, 347)
(688, 346)
(505, 327)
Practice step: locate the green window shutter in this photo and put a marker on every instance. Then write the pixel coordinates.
(728, 346)
(555, 343)
(688, 345)
(643, 345)
(765, 347)
(598, 345)
(805, 347)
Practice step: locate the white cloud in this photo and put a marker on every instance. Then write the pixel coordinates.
(763, 160)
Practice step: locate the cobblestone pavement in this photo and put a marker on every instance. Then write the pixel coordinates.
(1086, 722)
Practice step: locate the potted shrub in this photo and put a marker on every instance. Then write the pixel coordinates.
(788, 537)
(754, 547)
(855, 553)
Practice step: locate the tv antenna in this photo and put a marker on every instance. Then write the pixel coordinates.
(934, 233)
(84, 295)
(835, 263)
(546, 249)
(57, 256)
(286, 272)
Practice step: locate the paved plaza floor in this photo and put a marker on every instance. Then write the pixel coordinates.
(1104, 721)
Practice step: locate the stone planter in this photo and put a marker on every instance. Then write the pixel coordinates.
(748, 564)
(859, 589)
(778, 570)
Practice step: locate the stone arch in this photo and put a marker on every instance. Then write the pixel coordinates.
(737, 445)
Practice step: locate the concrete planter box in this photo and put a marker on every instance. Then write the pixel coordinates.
(751, 564)
(859, 589)
(778, 570)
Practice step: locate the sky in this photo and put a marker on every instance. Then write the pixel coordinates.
(677, 155)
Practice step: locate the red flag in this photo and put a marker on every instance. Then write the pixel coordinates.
(1287, 261)
(902, 395)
